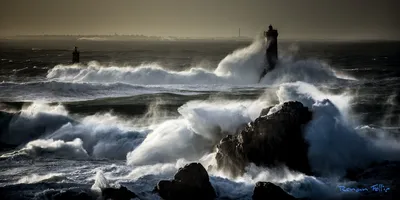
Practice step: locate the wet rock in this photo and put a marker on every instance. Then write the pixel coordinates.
(267, 190)
(121, 193)
(190, 182)
(273, 140)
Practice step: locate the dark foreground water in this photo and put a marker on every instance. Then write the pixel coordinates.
(134, 112)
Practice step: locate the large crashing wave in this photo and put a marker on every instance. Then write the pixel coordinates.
(242, 67)
(33, 122)
(335, 142)
(52, 131)
(195, 133)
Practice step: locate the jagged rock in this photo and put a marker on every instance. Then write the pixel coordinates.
(270, 140)
(190, 182)
(121, 193)
(267, 190)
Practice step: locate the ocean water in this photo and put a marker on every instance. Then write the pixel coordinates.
(133, 112)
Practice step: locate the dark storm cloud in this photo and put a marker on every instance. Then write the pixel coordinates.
(294, 18)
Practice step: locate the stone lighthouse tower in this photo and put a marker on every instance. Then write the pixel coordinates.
(272, 47)
(75, 56)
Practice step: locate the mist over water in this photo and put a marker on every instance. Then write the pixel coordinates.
(184, 126)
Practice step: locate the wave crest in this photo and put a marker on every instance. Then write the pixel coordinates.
(242, 67)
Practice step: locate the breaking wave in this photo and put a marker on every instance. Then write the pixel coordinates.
(32, 122)
(51, 131)
(57, 148)
(242, 67)
(335, 142)
(37, 178)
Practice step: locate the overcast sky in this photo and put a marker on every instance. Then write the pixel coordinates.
(193, 18)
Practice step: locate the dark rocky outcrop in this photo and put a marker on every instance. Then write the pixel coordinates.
(190, 182)
(271, 140)
(121, 193)
(267, 190)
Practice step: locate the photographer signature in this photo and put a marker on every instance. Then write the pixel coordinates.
(374, 188)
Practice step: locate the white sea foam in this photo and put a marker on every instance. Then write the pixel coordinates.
(100, 135)
(242, 67)
(103, 135)
(37, 178)
(39, 107)
(34, 121)
(58, 148)
(100, 182)
(335, 143)
(198, 129)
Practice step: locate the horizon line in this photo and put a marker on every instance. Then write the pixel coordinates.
(142, 37)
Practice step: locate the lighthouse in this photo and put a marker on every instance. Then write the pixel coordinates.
(272, 47)
(75, 56)
(271, 53)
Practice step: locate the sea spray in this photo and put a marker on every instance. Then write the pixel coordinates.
(198, 129)
(242, 67)
(56, 148)
(335, 142)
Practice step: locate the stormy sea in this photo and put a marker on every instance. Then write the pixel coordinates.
(132, 113)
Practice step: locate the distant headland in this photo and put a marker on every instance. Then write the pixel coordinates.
(116, 37)
(140, 37)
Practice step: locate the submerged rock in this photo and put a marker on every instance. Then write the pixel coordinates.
(271, 140)
(267, 190)
(190, 182)
(121, 193)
